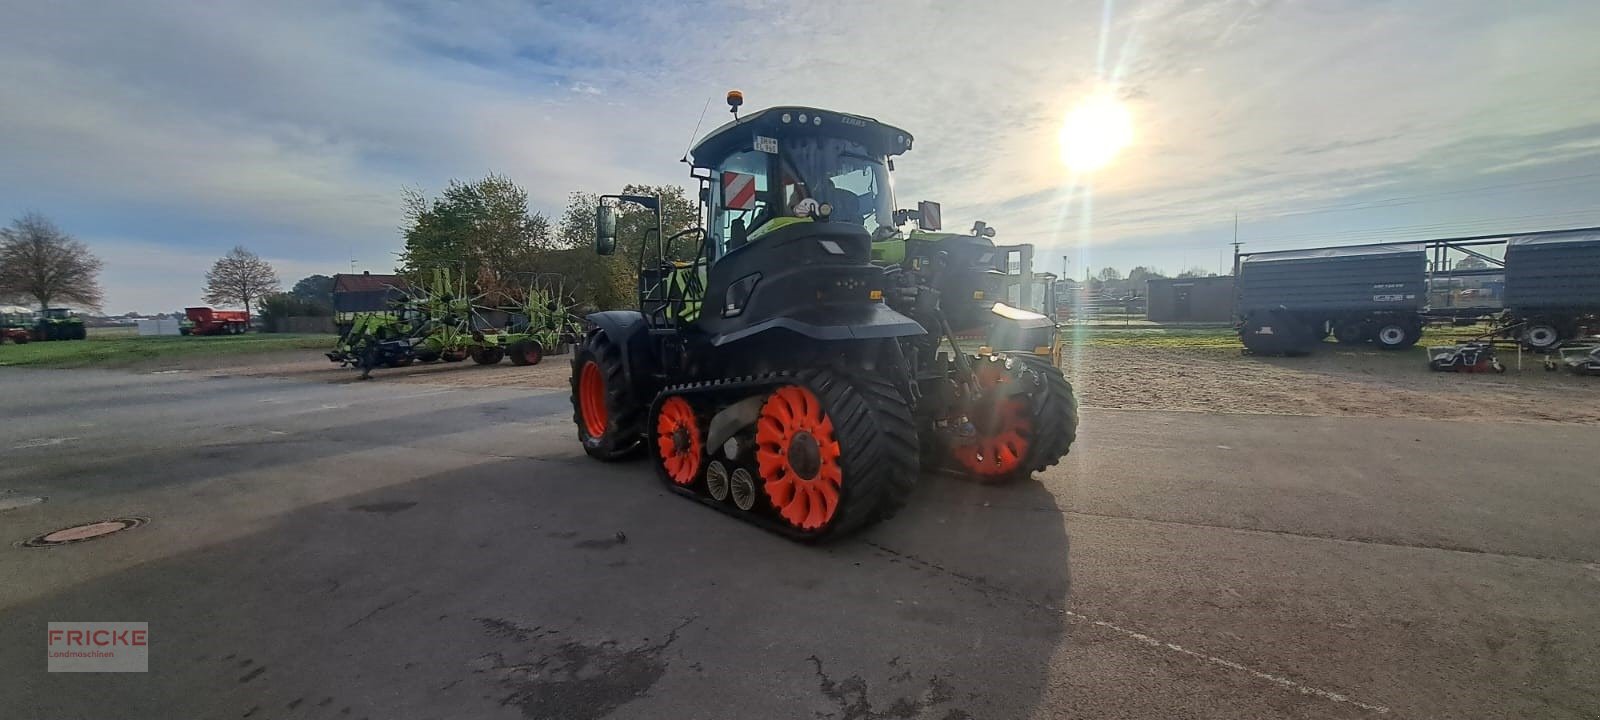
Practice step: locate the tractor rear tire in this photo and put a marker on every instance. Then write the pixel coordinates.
(526, 352)
(490, 355)
(610, 420)
(877, 461)
(1052, 421)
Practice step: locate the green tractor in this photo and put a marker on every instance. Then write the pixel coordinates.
(782, 375)
(59, 324)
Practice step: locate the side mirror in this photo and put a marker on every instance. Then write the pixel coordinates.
(605, 230)
(928, 216)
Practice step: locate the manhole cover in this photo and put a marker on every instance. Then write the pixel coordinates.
(85, 532)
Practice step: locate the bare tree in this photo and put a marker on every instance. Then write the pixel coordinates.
(40, 261)
(240, 277)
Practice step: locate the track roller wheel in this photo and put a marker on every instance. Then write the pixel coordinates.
(1025, 419)
(525, 352)
(610, 420)
(489, 355)
(678, 444)
(834, 452)
(717, 481)
(742, 488)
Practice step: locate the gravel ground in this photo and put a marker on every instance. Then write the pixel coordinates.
(1332, 382)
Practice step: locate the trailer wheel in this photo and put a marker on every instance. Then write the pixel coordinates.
(526, 352)
(453, 355)
(488, 355)
(1350, 333)
(1272, 333)
(1396, 335)
(1541, 336)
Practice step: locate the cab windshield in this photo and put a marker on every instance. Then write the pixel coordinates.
(841, 173)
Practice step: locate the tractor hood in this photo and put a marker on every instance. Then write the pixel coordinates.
(880, 139)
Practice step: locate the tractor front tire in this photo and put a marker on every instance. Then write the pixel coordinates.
(526, 352)
(1048, 426)
(610, 420)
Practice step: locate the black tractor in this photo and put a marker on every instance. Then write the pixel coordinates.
(775, 372)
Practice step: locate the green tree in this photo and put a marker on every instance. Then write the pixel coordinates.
(1141, 273)
(482, 229)
(315, 288)
(1109, 274)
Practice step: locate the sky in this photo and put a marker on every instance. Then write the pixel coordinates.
(163, 134)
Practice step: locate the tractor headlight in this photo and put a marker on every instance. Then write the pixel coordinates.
(738, 294)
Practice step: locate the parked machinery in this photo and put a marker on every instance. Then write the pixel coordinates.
(58, 324)
(1467, 357)
(439, 321)
(16, 326)
(206, 321)
(777, 375)
(1552, 293)
(1291, 300)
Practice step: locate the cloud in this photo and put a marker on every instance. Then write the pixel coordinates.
(291, 127)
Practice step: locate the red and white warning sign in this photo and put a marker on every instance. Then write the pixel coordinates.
(739, 191)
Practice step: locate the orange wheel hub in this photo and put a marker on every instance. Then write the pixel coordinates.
(678, 440)
(798, 458)
(1003, 424)
(592, 399)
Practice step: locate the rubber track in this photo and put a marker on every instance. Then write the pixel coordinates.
(877, 439)
(626, 433)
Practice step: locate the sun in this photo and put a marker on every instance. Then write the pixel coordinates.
(1095, 132)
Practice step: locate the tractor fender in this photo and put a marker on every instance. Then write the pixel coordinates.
(733, 418)
(831, 323)
(629, 331)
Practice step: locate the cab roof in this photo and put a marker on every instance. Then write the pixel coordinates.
(880, 139)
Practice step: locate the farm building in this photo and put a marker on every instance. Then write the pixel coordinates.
(366, 292)
(1200, 299)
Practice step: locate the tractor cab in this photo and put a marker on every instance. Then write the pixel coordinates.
(792, 198)
(787, 165)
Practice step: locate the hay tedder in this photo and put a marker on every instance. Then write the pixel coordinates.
(439, 321)
(803, 368)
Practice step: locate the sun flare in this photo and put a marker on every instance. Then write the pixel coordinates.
(1095, 132)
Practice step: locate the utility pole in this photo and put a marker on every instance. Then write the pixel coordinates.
(1236, 243)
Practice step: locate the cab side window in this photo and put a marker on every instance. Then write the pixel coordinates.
(740, 198)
